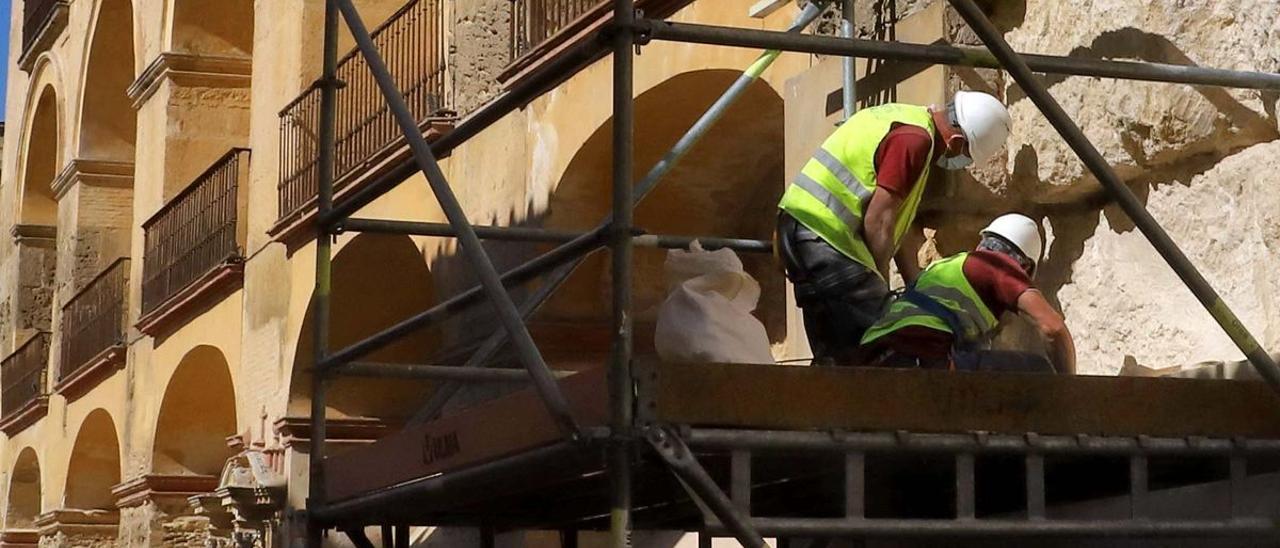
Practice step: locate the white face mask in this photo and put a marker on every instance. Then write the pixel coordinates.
(954, 162)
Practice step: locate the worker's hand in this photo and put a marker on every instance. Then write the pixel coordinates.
(1053, 328)
(908, 255)
(877, 228)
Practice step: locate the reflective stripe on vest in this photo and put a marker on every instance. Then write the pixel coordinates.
(830, 194)
(944, 282)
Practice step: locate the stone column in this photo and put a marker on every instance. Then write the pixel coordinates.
(68, 528)
(29, 307)
(19, 538)
(95, 209)
(150, 504)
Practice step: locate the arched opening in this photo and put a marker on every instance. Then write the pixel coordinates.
(213, 28)
(108, 123)
(377, 281)
(24, 492)
(196, 416)
(38, 206)
(728, 186)
(95, 465)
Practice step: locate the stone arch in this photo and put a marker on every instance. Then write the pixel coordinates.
(41, 160)
(728, 185)
(377, 281)
(23, 500)
(212, 28)
(197, 414)
(95, 464)
(108, 122)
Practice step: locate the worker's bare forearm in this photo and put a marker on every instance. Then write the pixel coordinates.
(1052, 327)
(1064, 349)
(881, 247)
(908, 256)
(877, 229)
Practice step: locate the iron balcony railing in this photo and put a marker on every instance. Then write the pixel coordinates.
(94, 320)
(541, 24)
(534, 22)
(23, 374)
(198, 230)
(413, 42)
(35, 15)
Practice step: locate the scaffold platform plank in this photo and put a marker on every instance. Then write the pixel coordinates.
(505, 461)
(877, 399)
(499, 428)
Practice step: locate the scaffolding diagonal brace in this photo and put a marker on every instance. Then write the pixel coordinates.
(1093, 160)
(701, 487)
(543, 380)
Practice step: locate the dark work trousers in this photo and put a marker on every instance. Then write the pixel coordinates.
(840, 297)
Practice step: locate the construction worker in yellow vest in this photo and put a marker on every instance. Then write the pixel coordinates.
(853, 207)
(945, 320)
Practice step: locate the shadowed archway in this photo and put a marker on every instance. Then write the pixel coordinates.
(197, 415)
(727, 185)
(95, 464)
(377, 281)
(42, 158)
(23, 504)
(108, 122)
(222, 28)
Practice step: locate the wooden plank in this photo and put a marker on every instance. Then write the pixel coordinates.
(864, 399)
(508, 425)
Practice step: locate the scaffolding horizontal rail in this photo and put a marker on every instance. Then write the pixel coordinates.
(543, 235)
(968, 528)
(978, 443)
(652, 29)
(434, 372)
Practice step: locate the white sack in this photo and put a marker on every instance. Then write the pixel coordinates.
(707, 314)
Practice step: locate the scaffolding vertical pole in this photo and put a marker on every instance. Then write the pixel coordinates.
(621, 250)
(324, 254)
(1017, 68)
(849, 63)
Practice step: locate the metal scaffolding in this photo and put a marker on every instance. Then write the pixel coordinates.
(625, 436)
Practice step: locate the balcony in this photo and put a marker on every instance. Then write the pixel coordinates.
(413, 42)
(195, 243)
(93, 330)
(42, 22)
(542, 28)
(24, 396)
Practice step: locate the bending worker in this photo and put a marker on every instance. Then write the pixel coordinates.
(853, 207)
(945, 320)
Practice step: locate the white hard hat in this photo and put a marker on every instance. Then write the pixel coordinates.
(1020, 231)
(984, 121)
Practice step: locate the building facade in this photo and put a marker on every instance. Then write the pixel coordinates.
(157, 264)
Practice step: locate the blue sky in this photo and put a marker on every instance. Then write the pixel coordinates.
(4, 50)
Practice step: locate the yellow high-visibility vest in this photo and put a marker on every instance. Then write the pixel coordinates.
(944, 282)
(831, 193)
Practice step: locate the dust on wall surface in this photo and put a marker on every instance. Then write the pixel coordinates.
(1198, 157)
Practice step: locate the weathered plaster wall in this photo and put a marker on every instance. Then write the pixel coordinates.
(1192, 154)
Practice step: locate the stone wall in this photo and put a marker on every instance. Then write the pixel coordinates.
(480, 50)
(1199, 157)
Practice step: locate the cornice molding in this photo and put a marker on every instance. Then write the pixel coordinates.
(147, 488)
(191, 70)
(104, 173)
